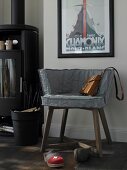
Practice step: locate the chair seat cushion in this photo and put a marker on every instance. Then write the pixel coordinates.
(73, 101)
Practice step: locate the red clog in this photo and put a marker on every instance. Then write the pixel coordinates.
(53, 159)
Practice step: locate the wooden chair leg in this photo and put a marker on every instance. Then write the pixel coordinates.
(97, 132)
(46, 129)
(64, 120)
(105, 125)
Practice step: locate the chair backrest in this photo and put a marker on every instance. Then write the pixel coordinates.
(56, 81)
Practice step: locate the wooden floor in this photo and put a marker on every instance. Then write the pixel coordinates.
(14, 157)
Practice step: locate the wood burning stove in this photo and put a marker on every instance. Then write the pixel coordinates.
(18, 62)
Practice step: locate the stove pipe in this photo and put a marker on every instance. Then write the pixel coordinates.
(17, 12)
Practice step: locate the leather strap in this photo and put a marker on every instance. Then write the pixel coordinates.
(116, 83)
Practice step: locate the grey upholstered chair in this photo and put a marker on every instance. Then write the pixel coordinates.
(61, 91)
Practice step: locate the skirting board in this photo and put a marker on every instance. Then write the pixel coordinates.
(80, 132)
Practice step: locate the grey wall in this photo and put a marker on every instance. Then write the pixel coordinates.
(1, 11)
(80, 122)
(116, 111)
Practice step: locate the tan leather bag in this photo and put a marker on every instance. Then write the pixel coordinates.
(91, 86)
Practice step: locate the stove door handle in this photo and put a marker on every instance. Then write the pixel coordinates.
(20, 84)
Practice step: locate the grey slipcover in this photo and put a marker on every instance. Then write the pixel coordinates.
(61, 88)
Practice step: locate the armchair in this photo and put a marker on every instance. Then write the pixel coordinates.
(61, 91)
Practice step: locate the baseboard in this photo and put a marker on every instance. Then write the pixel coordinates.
(79, 132)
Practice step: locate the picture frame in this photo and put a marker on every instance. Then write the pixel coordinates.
(85, 28)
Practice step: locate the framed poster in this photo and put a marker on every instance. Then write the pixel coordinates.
(85, 28)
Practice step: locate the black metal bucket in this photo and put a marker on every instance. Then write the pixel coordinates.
(26, 127)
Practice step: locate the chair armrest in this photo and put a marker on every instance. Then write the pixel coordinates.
(106, 85)
(44, 81)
